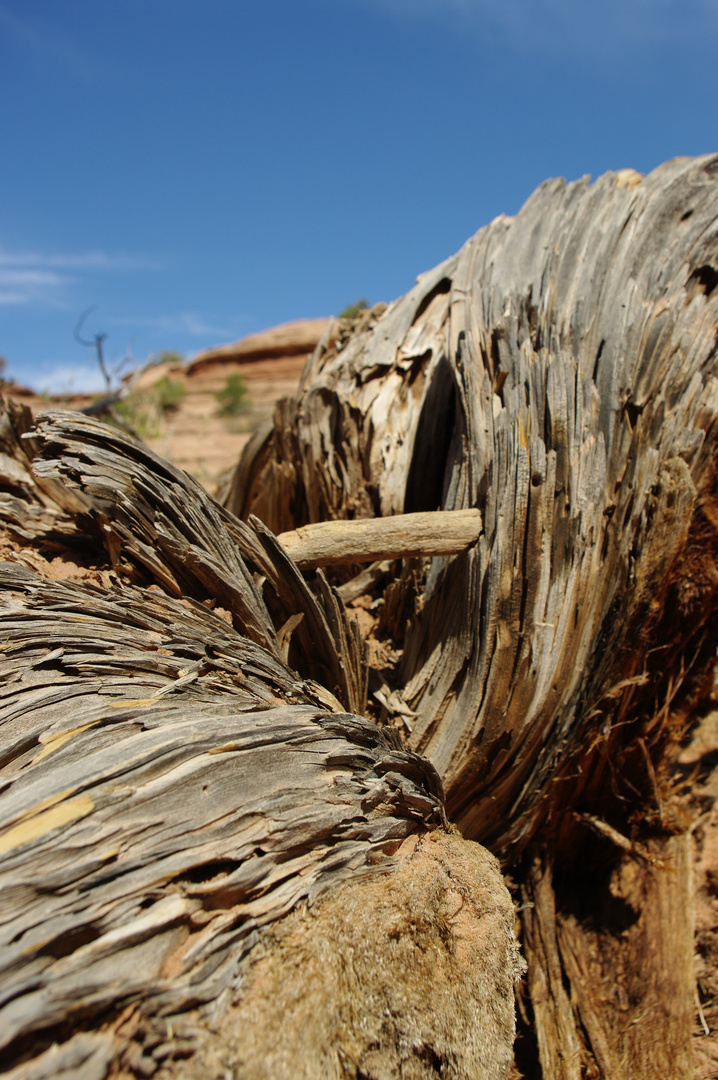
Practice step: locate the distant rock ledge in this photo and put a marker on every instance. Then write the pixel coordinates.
(288, 339)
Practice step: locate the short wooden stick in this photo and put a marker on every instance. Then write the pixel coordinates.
(330, 543)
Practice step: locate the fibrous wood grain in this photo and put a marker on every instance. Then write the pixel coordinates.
(171, 790)
(631, 975)
(159, 525)
(168, 789)
(28, 509)
(555, 1022)
(560, 375)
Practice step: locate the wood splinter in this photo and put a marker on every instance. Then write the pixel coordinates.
(403, 536)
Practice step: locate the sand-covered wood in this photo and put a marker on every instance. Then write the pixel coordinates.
(419, 965)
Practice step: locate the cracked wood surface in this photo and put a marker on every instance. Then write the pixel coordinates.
(171, 789)
(153, 822)
(559, 374)
(159, 525)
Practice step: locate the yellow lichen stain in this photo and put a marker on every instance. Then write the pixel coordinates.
(135, 703)
(44, 804)
(56, 739)
(38, 824)
(628, 178)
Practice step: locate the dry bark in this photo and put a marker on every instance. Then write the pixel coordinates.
(560, 375)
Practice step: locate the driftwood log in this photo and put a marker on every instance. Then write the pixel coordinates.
(559, 375)
(337, 543)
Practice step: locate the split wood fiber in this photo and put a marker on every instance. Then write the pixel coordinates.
(559, 374)
(171, 791)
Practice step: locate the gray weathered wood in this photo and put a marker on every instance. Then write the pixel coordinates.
(166, 783)
(171, 790)
(337, 543)
(159, 525)
(560, 375)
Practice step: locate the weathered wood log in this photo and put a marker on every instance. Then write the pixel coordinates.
(337, 543)
(560, 375)
(159, 525)
(186, 822)
(28, 508)
(572, 399)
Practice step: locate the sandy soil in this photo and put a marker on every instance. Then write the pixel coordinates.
(197, 439)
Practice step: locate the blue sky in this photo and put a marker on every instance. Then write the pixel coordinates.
(202, 169)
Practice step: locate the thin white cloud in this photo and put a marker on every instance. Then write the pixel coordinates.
(574, 29)
(45, 279)
(69, 378)
(87, 260)
(185, 322)
(49, 42)
(31, 286)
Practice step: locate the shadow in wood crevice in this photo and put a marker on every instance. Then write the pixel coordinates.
(430, 460)
(442, 288)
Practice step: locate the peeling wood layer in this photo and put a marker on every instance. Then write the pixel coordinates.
(167, 789)
(560, 375)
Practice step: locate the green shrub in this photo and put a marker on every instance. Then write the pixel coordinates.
(352, 310)
(169, 356)
(140, 414)
(143, 411)
(169, 393)
(232, 398)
